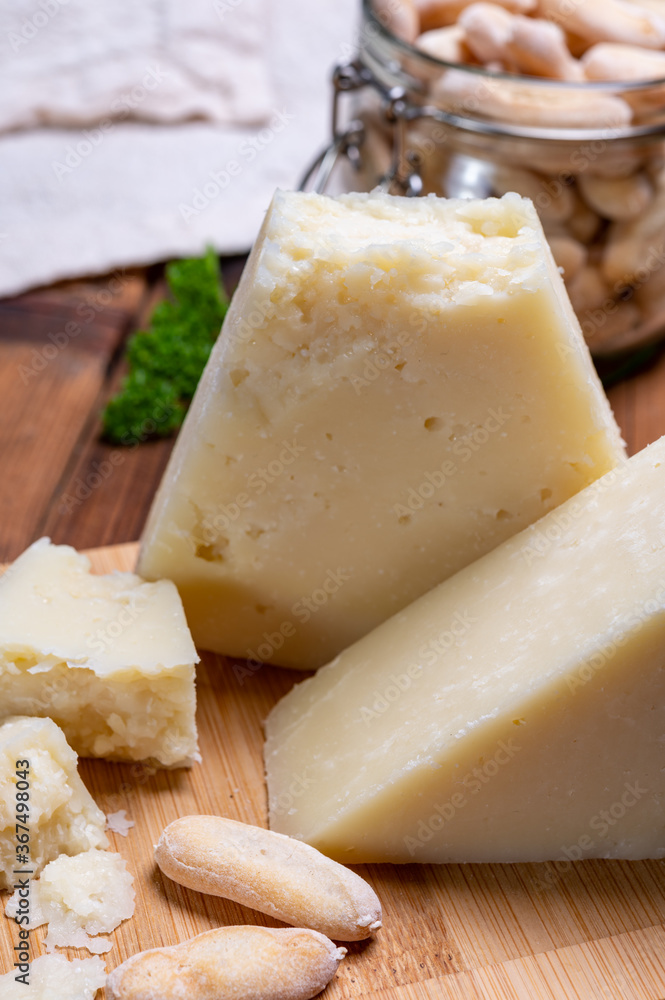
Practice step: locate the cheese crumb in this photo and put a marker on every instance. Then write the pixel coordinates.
(53, 977)
(117, 822)
(89, 894)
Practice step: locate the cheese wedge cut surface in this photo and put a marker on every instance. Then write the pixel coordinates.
(515, 713)
(61, 815)
(399, 386)
(109, 658)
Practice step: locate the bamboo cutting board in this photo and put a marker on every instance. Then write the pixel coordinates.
(559, 931)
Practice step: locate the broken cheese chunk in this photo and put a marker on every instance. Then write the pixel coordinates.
(53, 977)
(79, 898)
(108, 658)
(399, 386)
(61, 815)
(515, 713)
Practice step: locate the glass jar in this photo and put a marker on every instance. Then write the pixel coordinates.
(591, 156)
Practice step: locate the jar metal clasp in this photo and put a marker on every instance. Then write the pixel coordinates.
(347, 139)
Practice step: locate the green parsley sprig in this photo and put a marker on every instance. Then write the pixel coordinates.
(167, 359)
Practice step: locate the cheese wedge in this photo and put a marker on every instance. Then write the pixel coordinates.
(515, 713)
(40, 789)
(400, 385)
(109, 658)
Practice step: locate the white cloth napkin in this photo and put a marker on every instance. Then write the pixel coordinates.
(77, 62)
(122, 192)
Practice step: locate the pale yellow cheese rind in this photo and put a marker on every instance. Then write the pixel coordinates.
(109, 658)
(63, 818)
(515, 713)
(399, 386)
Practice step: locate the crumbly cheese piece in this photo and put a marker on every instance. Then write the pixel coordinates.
(515, 713)
(400, 385)
(109, 658)
(80, 897)
(60, 814)
(117, 822)
(53, 977)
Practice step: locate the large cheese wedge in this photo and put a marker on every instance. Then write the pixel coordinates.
(45, 809)
(515, 713)
(399, 386)
(109, 658)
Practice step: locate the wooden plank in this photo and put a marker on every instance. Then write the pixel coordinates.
(564, 931)
(625, 967)
(105, 491)
(120, 292)
(639, 406)
(55, 349)
(107, 494)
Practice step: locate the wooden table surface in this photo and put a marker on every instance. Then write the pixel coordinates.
(60, 360)
(452, 932)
